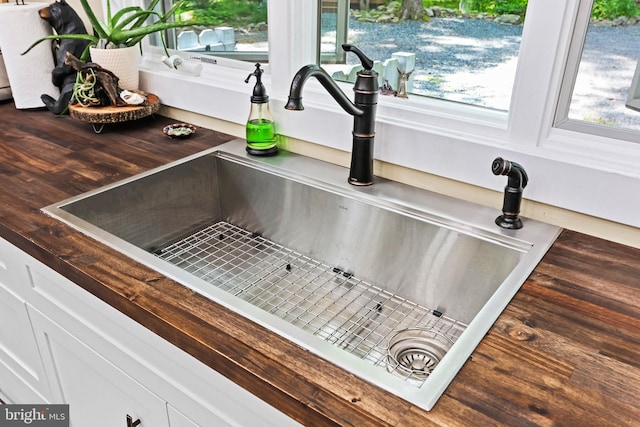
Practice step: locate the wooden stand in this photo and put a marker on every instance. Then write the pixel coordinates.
(99, 116)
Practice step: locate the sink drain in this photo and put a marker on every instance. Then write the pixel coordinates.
(415, 352)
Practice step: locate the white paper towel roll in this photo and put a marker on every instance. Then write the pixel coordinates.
(30, 74)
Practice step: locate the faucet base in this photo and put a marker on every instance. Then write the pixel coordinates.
(510, 222)
(353, 181)
(361, 172)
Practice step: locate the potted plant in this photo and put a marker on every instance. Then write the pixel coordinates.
(120, 35)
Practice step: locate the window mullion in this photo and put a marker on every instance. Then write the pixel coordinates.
(545, 42)
(293, 40)
(573, 61)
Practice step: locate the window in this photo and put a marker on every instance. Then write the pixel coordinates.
(236, 29)
(334, 19)
(467, 56)
(600, 73)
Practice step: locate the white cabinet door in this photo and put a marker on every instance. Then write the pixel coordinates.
(22, 378)
(13, 271)
(98, 393)
(177, 419)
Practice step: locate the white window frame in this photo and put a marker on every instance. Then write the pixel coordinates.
(587, 173)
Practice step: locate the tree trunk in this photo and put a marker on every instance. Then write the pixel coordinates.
(411, 10)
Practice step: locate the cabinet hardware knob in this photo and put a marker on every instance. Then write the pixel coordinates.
(131, 423)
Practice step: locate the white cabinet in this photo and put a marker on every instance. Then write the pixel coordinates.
(176, 419)
(99, 394)
(107, 366)
(22, 376)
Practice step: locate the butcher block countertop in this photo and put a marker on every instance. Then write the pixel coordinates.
(565, 352)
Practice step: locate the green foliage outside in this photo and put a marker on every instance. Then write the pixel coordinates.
(602, 9)
(496, 7)
(516, 7)
(238, 13)
(446, 4)
(609, 9)
(234, 13)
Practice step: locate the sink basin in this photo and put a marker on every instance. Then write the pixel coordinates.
(395, 284)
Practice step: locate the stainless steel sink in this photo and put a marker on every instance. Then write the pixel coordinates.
(395, 284)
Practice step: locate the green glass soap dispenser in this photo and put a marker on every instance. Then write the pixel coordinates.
(261, 133)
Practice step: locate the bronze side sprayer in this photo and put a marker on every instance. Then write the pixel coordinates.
(512, 192)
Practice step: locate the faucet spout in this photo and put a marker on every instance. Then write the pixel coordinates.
(312, 70)
(363, 110)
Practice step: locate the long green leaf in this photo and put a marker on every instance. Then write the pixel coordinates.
(98, 26)
(120, 14)
(140, 17)
(109, 17)
(119, 35)
(151, 8)
(173, 9)
(92, 39)
(128, 26)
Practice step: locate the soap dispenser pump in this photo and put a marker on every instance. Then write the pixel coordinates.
(261, 134)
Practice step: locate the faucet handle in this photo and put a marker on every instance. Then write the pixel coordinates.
(367, 63)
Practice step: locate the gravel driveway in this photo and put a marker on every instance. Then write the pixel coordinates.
(473, 61)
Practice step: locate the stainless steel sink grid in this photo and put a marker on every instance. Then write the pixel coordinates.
(369, 278)
(336, 306)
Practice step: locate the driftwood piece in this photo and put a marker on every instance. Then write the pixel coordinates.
(106, 89)
(114, 114)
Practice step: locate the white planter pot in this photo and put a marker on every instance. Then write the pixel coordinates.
(123, 62)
